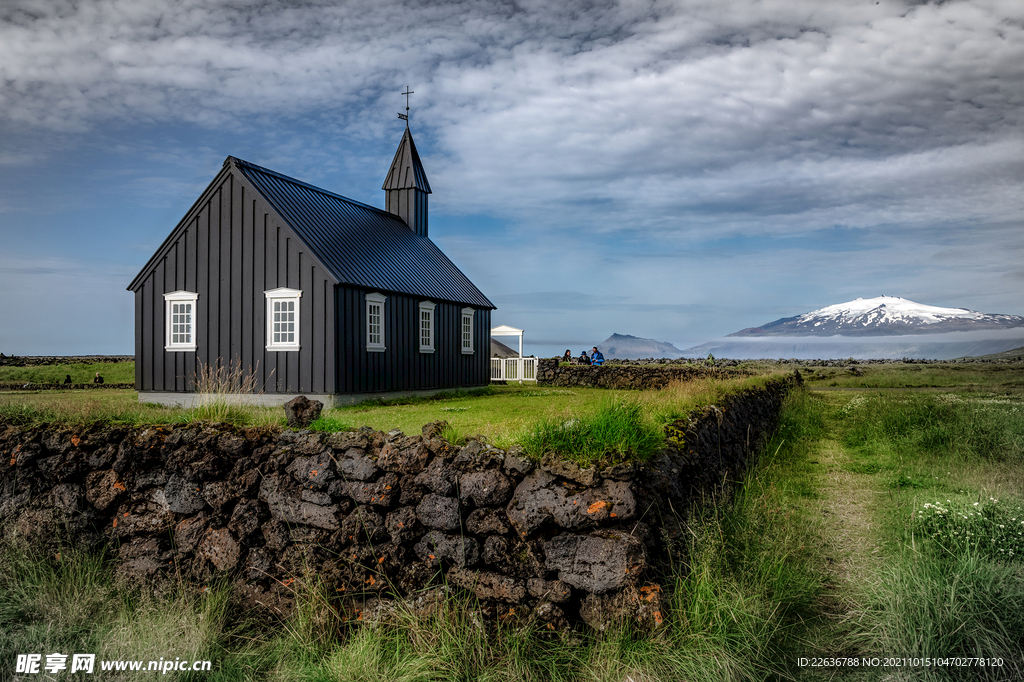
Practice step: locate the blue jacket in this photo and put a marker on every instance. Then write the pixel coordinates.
(597, 358)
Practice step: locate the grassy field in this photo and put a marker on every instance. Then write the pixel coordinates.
(541, 418)
(878, 524)
(81, 373)
(967, 376)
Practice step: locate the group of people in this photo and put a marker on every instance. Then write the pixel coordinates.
(96, 379)
(595, 357)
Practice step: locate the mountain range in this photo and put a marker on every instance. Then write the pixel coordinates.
(883, 316)
(880, 327)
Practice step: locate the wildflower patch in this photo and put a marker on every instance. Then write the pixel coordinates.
(993, 528)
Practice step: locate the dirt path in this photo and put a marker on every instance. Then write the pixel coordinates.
(848, 504)
(848, 507)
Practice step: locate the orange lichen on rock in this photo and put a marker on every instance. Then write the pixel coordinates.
(596, 507)
(650, 592)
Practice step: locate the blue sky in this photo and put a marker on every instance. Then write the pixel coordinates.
(672, 170)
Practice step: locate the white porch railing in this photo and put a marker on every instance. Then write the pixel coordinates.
(513, 369)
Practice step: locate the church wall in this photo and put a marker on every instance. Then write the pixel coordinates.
(230, 249)
(402, 366)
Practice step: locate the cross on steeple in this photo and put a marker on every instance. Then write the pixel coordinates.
(405, 116)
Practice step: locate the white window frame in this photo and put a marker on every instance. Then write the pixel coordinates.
(178, 298)
(426, 315)
(466, 336)
(283, 295)
(375, 299)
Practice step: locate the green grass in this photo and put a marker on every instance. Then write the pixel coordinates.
(920, 605)
(618, 428)
(946, 470)
(506, 415)
(80, 408)
(501, 414)
(958, 428)
(81, 373)
(981, 376)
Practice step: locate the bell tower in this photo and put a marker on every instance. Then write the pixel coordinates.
(406, 187)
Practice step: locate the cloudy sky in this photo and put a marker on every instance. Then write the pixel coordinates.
(673, 170)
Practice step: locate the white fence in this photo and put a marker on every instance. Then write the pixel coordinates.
(513, 369)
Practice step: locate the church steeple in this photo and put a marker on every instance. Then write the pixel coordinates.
(406, 187)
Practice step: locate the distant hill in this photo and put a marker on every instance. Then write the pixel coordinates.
(1012, 355)
(883, 316)
(626, 347)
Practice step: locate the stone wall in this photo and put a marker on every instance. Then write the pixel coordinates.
(33, 360)
(379, 515)
(29, 386)
(628, 376)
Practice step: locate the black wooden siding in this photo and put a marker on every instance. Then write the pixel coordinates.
(230, 249)
(402, 366)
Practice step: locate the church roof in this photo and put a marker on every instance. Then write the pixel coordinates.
(361, 245)
(406, 170)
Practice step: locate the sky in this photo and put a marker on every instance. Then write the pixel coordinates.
(671, 170)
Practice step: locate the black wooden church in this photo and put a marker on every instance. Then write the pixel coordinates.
(318, 294)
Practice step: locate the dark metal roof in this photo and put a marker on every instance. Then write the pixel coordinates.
(362, 245)
(406, 170)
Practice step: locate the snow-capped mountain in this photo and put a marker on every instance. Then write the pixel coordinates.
(882, 316)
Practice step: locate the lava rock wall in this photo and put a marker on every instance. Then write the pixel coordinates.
(634, 376)
(378, 515)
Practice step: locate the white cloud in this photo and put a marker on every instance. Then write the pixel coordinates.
(625, 135)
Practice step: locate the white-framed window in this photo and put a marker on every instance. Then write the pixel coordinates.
(426, 326)
(283, 319)
(375, 322)
(180, 324)
(467, 330)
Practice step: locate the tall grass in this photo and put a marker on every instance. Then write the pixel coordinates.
(225, 393)
(69, 602)
(926, 606)
(962, 428)
(950, 583)
(619, 428)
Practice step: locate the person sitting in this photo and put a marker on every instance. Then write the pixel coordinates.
(596, 357)
(67, 380)
(567, 357)
(583, 359)
(97, 379)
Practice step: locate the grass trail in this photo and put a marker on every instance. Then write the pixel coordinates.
(890, 591)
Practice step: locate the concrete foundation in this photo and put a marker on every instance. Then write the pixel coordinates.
(172, 399)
